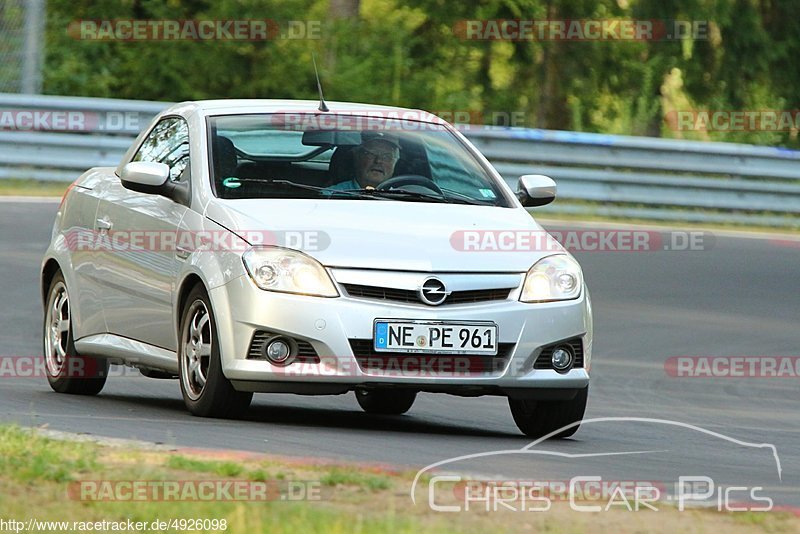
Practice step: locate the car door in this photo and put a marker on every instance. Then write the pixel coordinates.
(140, 265)
(78, 223)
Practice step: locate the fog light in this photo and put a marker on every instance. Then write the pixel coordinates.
(562, 359)
(278, 351)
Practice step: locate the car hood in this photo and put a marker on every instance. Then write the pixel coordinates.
(391, 235)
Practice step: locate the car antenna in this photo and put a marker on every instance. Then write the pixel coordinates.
(322, 105)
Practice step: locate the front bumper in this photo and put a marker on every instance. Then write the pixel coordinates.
(330, 324)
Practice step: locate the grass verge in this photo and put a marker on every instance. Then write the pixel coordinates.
(47, 479)
(32, 188)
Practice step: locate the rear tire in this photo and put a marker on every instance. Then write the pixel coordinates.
(385, 401)
(67, 371)
(539, 418)
(206, 391)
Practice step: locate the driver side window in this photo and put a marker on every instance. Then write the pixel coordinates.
(167, 143)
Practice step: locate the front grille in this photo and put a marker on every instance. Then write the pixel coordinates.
(381, 293)
(477, 295)
(544, 359)
(430, 364)
(305, 352)
(410, 296)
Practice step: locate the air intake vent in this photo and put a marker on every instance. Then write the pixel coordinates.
(429, 364)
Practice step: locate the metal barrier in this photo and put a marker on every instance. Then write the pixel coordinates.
(603, 175)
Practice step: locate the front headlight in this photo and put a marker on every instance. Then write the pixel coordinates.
(288, 271)
(556, 277)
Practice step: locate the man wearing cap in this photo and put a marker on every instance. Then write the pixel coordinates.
(374, 161)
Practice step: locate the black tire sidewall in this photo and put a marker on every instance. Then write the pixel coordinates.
(539, 418)
(386, 401)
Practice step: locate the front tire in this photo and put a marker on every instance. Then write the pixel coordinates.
(539, 418)
(66, 370)
(385, 401)
(206, 391)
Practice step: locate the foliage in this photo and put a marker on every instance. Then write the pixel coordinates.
(411, 54)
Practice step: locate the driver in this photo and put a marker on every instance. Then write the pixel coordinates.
(374, 161)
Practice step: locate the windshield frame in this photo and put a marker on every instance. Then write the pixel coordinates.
(506, 199)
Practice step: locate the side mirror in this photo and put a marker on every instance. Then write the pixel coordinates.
(144, 176)
(153, 179)
(536, 190)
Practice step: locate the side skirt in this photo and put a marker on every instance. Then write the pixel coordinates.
(129, 351)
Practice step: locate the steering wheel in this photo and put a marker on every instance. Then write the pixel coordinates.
(398, 182)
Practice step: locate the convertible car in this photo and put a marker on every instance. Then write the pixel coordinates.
(247, 246)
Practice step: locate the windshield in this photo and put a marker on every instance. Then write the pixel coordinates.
(345, 157)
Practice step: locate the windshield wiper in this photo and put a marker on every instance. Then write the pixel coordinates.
(465, 199)
(403, 194)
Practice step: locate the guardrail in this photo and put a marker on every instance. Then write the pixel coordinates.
(604, 175)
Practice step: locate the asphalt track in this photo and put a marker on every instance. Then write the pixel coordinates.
(738, 297)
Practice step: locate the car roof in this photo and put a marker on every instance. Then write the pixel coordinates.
(244, 106)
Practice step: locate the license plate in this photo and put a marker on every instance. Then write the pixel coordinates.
(435, 336)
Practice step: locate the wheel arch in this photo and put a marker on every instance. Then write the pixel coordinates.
(49, 270)
(189, 282)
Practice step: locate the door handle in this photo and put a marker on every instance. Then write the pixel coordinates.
(104, 225)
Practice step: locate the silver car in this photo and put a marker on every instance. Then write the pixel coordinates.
(249, 246)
